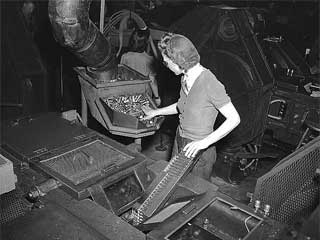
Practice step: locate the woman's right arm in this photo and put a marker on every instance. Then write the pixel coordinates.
(168, 110)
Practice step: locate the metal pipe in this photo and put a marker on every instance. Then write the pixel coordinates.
(84, 109)
(102, 6)
(73, 29)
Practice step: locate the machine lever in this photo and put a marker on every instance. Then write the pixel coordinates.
(108, 169)
(189, 209)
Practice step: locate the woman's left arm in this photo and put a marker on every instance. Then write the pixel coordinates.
(232, 120)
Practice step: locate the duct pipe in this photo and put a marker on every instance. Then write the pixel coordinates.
(73, 29)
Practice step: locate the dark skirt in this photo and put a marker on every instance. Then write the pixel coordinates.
(205, 160)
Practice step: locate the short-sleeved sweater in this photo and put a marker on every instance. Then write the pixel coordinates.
(198, 110)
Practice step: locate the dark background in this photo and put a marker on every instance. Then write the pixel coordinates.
(36, 72)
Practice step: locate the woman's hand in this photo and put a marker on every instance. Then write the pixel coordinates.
(194, 147)
(149, 113)
(157, 101)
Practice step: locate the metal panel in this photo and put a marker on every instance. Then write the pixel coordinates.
(35, 135)
(113, 161)
(88, 161)
(214, 216)
(289, 188)
(7, 176)
(74, 155)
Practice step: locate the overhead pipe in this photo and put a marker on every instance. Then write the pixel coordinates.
(74, 30)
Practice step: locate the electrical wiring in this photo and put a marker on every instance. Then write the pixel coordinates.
(121, 17)
(118, 16)
(248, 165)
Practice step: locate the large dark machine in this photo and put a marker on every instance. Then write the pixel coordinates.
(293, 101)
(106, 184)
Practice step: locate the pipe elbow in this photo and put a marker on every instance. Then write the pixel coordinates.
(74, 30)
(70, 22)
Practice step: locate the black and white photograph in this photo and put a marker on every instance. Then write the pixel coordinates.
(160, 120)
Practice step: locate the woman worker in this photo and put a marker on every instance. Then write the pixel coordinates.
(138, 59)
(202, 96)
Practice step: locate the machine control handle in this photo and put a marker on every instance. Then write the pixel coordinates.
(281, 111)
(108, 169)
(189, 209)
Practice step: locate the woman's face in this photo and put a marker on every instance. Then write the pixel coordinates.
(171, 65)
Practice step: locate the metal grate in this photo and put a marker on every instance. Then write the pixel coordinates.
(303, 202)
(289, 187)
(12, 206)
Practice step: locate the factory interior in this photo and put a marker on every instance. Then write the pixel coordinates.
(80, 159)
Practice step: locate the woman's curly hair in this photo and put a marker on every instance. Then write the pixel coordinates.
(180, 50)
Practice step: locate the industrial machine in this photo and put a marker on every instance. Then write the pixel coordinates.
(101, 79)
(162, 188)
(95, 182)
(116, 103)
(292, 100)
(97, 188)
(74, 155)
(296, 178)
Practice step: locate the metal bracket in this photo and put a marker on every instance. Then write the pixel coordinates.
(98, 195)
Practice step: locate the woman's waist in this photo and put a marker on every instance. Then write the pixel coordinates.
(201, 121)
(194, 133)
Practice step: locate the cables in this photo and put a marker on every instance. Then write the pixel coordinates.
(121, 18)
(117, 17)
